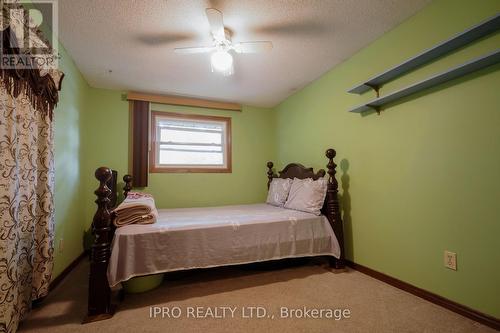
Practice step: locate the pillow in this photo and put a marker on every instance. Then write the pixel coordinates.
(307, 195)
(278, 191)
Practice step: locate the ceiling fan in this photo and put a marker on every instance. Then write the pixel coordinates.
(221, 59)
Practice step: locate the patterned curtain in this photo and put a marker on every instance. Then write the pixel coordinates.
(26, 207)
(27, 99)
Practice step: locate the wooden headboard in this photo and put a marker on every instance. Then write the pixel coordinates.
(293, 170)
(331, 206)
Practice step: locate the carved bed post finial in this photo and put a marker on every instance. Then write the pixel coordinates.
(333, 206)
(128, 185)
(331, 166)
(270, 173)
(99, 301)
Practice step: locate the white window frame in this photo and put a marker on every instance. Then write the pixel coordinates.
(154, 153)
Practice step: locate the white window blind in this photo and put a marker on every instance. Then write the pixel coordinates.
(188, 142)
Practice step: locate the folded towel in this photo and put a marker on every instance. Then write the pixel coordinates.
(137, 208)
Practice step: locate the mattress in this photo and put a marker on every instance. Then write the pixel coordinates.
(187, 238)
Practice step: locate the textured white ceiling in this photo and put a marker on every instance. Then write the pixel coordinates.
(135, 39)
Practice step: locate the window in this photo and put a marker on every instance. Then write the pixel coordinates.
(190, 143)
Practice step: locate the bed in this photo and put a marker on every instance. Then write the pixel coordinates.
(190, 238)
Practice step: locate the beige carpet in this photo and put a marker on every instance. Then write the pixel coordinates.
(374, 306)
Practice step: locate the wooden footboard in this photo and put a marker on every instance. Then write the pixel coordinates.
(99, 296)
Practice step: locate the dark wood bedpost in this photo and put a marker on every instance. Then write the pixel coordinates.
(99, 301)
(128, 185)
(270, 173)
(333, 206)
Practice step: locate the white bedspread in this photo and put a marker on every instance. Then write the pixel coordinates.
(188, 238)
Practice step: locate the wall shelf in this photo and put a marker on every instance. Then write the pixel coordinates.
(453, 73)
(478, 31)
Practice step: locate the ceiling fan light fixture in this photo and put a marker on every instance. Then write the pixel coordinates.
(222, 62)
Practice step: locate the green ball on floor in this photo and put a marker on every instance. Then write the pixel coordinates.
(142, 284)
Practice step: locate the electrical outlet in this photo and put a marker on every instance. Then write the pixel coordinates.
(61, 245)
(450, 260)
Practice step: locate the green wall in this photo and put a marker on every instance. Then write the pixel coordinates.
(106, 144)
(424, 176)
(69, 206)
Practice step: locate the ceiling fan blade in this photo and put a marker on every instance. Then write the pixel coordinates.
(190, 50)
(216, 23)
(162, 38)
(253, 47)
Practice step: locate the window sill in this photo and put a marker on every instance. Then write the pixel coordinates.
(189, 170)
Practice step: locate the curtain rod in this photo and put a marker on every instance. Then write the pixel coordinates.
(184, 101)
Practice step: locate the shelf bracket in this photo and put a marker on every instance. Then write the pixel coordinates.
(374, 87)
(375, 108)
